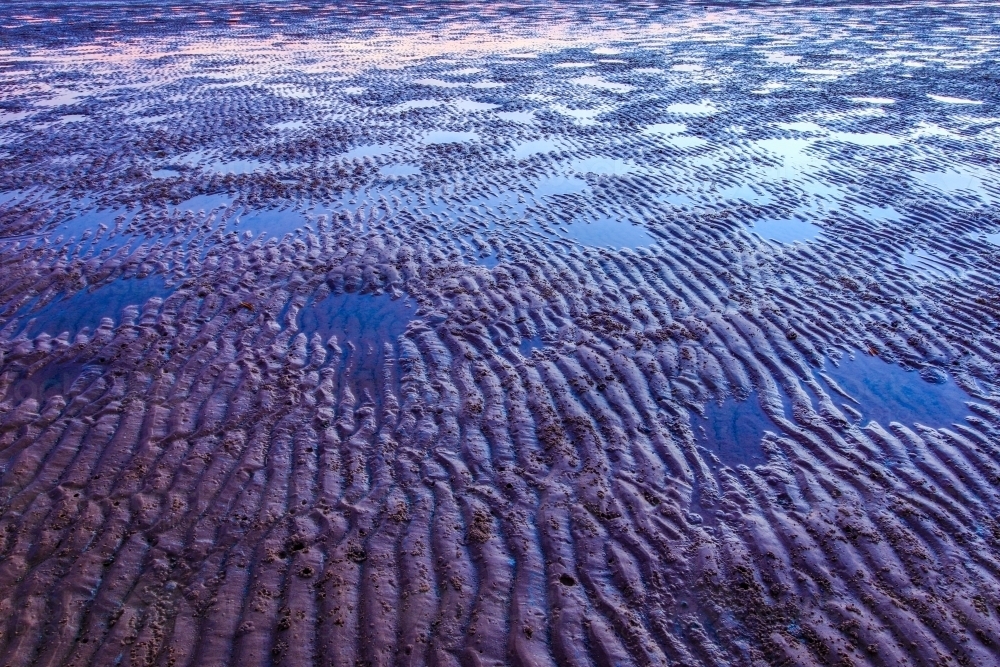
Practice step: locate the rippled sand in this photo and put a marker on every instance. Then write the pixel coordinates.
(369, 334)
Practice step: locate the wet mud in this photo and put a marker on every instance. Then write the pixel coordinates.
(370, 334)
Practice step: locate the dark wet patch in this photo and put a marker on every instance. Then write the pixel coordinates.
(54, 379)
(86, 309)
(887, 393)
(362, 325)
(733, 430)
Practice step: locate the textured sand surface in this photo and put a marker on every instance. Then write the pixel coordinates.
(563, 335)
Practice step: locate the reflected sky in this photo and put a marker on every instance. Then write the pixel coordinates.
(706, 106)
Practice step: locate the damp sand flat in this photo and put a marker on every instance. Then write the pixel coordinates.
(566, 334)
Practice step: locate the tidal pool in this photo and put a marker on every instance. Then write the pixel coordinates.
(88, 308)
(733, 430)
(609, 232)
(884, 392)
(787, 230)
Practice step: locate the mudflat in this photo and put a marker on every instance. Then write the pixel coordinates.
(535, 334)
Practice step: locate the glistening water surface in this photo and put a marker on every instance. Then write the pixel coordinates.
(88, 308)
(884, 392)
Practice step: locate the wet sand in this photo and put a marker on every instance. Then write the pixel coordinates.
(557, 335)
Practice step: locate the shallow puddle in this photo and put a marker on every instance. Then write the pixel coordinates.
(872, 100)
(665, 129)
(473, 106)
(206, 202)
(415, 104)
(55, 379)
(86, 309)
(529, 345)
(399, 170)
(952, 181)
(489, 260)
(535, 147)
(90, 221)
(931, 265)
(889, 393)
(873, 139)
(946, 99)
(581, 116)
(559, 185)
(605, 166)
(603, 84)
(733, 430)
(371, 151)
(886, 213)
(677, 199)
(290, 125)
(602, 168)
(746, 193)
(609, 233)
(273, 222)
(793, 152)
(517, 116)
(684, 141)
(447, 137)
(235, 166)
(693, 109)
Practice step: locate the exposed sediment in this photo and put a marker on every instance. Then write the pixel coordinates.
(263, 401)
